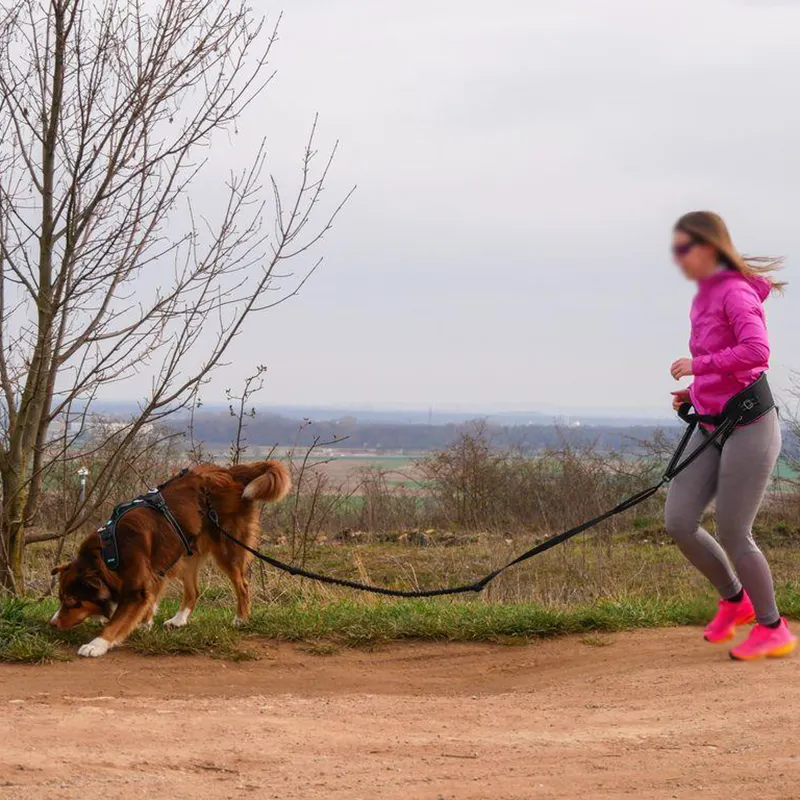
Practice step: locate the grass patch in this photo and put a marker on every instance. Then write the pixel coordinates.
(207, 637)
(25, 636)
(322, 628)
(354, 623)
(209, 633)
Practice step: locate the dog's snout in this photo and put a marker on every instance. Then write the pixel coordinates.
(55, 620)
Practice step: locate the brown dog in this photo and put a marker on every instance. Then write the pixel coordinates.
(150, 551)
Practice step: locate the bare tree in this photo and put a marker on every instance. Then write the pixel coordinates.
(197, 451)
(107, 270)
(253, 384)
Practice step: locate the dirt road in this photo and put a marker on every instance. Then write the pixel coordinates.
(653, 714)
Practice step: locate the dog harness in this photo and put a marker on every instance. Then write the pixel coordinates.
(152, 499)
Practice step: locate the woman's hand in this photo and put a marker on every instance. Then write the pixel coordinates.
(681, 368)
(679, 398)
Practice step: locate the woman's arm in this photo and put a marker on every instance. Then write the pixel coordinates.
(746, 316)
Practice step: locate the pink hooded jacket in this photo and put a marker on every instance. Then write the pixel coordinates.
(729, 342)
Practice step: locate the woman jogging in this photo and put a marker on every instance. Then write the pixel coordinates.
(730, 351)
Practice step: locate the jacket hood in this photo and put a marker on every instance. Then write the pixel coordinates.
(762, 286)
(759, 284)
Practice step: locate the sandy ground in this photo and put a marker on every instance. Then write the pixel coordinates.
(654, 714)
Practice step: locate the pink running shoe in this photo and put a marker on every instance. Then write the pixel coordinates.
(729, 616)
(764, 642)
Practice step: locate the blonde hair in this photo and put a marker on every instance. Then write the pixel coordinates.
(709, 228)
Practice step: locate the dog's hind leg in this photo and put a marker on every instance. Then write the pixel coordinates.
(235, 562)
(191, 592)
(237, 572)
(242, 588)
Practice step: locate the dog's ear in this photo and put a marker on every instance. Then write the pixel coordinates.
(97, 584)
(58, 569)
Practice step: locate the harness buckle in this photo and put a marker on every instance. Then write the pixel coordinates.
(156, 499)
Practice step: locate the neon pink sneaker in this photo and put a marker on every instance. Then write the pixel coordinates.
(764, 642)
(729, 616)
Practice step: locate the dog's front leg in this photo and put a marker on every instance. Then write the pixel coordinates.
(124, 619)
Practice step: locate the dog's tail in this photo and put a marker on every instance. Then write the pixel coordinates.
(265, 481)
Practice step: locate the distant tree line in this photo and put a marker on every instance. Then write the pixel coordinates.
(218, 428)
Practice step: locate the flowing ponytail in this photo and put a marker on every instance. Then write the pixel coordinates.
(710, 228)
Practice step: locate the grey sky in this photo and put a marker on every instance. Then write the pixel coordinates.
(519, 165)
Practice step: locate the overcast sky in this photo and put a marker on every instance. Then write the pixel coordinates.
(519, 166)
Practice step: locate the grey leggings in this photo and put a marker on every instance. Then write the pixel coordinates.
(738, 478)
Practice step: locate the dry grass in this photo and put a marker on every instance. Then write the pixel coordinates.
(582, 571)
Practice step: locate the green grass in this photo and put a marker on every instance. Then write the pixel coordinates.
(353, 623)
(23, 633)
(209, 633)
(325, 627)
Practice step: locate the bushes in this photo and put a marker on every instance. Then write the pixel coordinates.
(476, 486)
(472, 486)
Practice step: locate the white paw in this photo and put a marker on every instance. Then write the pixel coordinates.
(179, 620)
(94, 649)
(238, 622)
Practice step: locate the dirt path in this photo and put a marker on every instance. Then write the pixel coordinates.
(653, 714)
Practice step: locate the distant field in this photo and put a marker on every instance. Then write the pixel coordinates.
(343, 468)
(346, 470)
(369, 460)
(787, 472)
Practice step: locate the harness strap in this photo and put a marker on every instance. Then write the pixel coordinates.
(109, 548)
(156, 500)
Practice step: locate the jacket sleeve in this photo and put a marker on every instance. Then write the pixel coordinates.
(746, 317)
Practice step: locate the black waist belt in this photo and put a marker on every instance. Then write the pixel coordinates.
(153, 499)
(748, 406)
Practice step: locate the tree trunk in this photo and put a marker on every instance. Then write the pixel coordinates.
(37, 393)
(12, 531)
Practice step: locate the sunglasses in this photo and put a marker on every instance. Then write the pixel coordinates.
(683, 250)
